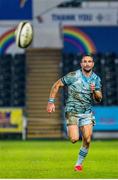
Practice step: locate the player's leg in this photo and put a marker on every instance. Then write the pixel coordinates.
(72, 127)
(73, 133)
(86, 134)
(86, 131)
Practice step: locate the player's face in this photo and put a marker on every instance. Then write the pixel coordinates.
(87, 63)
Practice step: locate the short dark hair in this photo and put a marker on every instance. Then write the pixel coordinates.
(90, 55)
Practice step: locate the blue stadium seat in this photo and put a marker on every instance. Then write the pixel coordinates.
(12, 80)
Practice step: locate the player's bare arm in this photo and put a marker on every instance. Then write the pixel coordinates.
(97, 95)
(53, 93)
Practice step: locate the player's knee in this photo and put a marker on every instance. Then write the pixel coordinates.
(88, 140)
(74, 140)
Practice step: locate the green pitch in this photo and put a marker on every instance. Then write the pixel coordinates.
(56, 159)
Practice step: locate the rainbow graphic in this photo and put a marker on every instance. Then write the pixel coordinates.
(6, 40)
(80, 40)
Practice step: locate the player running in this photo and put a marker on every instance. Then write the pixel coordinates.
(83, 87)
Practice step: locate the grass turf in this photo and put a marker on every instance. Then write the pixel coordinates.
(56, 159)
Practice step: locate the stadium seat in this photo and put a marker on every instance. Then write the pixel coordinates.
(12, 80)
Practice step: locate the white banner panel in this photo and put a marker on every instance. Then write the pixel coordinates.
(76, 16)
(47, 36)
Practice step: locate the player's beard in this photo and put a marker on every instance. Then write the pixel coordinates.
(87, 70)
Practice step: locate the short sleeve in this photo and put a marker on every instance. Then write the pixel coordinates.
(98, 84)
(69, 78)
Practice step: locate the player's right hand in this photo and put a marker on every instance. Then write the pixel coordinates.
(50, 107)
(92, 87)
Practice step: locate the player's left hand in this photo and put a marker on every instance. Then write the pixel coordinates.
(92, 87)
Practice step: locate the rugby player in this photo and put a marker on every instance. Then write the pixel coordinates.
(84, 86)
